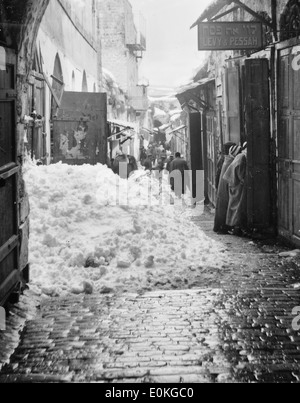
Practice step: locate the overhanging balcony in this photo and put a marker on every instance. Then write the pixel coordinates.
(138, 98)
(136, 34)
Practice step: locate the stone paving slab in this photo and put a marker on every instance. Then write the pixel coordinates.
(195, 336)
(235, 327)
(156, 337)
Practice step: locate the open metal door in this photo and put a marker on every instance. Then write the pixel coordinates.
(9, 169)
(80, 129)
(258, 132)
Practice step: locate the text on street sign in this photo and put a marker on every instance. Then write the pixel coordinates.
(230, 36)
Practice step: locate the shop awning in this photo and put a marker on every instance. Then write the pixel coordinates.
(171, 133)
(195, 85)
(164, 127)
(122, 124)
(125, 130)
(210, 13)
(177, 129)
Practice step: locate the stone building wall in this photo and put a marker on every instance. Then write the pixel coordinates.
(117, 30)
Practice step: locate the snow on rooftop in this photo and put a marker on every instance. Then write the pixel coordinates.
(159, 113)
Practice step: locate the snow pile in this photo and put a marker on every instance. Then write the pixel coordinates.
(83, 241)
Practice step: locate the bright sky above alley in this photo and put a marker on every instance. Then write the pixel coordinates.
(172, 49)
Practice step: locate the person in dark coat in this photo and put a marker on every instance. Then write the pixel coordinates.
(148, 164)
(132, 165)
(143, 156)
(236, 176)
(179, 164)
(223, 190)
(169, 162)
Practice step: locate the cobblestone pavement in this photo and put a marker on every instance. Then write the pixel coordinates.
(235, 327)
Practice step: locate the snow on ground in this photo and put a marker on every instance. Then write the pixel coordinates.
(83, 242)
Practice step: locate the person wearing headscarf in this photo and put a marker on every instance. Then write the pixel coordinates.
(221, 161)
(231, 151)
(236, 176)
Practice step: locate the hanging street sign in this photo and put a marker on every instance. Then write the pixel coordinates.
(230, 35)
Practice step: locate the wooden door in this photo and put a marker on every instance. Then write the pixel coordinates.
(258, 134)
(9, 240)
(196, 151)
(36, 131)
(289, 145)
(80, 129)
(211, 156)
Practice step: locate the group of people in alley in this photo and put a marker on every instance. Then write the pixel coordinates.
(158, 163)
(231, 182)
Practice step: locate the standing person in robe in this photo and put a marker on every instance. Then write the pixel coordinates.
(231, 151)
(221, 161)
(236, 176)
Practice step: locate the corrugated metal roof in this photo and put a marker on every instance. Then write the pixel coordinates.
(195, 85)
(212, 10)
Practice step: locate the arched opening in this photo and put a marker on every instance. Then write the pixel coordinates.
(290, 21)
(84, 83)
(73, 81)
(58, 78)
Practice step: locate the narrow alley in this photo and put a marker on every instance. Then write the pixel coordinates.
(235, 326)
(149, 191)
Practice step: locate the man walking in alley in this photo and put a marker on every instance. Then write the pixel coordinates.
(180, 166)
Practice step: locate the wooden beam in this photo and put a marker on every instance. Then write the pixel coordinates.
(51, 90)
(8, 247)
(231, 10)
(254, 13)
(58, 80)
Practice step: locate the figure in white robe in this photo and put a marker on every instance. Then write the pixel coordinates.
(236, 176)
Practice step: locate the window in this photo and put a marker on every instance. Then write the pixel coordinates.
(84, 83)
(58, 79)
(73, 82)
